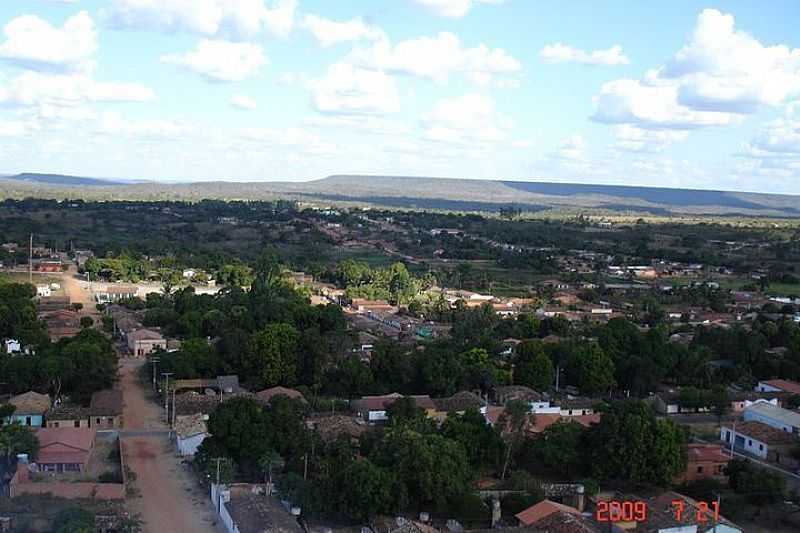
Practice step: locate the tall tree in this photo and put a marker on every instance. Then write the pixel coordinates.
(533, 368)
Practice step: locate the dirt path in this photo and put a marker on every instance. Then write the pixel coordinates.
(78, 292)
(170, 499)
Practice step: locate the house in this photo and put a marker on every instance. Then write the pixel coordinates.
(331, 427)
(245, 511)
(266, 395)
(30, 408)
(661, 517)
(12, 346)
(544, 508)
(64, 449)
(43, 291)
(562, 522)
(744, 399)
(373, 408)
(106, 409)
(143, 341)
(575, 406)
(761, 440)
(190, 432)
(458, 403)
(704, 461)
(115, 293)
(48, 265)
(66, 416)
(778, 385)
(777, 417)
(228, 384)
(507, 393)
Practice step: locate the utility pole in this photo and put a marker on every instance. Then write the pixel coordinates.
(174, 392)
(153, 360)
(30, 260)
(733, 437)
(166, 376)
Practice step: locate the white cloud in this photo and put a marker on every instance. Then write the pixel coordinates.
(230, 19)
(219, 60)
(369, 124)
(17, 128)
(33, 88)
(633, 139)
(304, 140)
(34, 43)
(571, 148)
(468, 118)
(453, 8)
(721, 74)
(241, 101)
(330, 32)
(346, 89)
(437, 58)
(774, 151)
(116, 124)
(562, 53)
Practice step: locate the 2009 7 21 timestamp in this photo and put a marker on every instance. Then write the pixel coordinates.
(637, 511)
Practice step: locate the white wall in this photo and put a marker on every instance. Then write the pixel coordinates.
(763, 387)
(188, 446)
(750, 445)
(768, 420)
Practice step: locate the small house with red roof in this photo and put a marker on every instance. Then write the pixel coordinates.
(64, 449)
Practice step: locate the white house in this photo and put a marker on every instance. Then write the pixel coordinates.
(189, 273)
(778, 385)
(13, 346)
(777, 417)
(43, 290)
(759, 439)
(190, 432)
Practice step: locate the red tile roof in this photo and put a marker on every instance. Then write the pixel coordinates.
(542, 509)
(78, 438)
(702, 453)
(785, 385)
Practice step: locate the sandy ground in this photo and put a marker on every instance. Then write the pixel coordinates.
(78, 292)
(170, 499)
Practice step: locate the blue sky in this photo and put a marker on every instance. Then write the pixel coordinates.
(678, 94)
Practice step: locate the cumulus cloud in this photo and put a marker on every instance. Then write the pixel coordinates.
(228, 19)
(218, 60)
(633, 139)
(330, 32)
(775, 149)
(437, 58)
(34, 88)
(304, 140)
(116, 124)
(468, 118)
(34, 43)
(571, 148)
(563, 53)
(349, 90)
(720, 75)
(453, 8)
(244, 102)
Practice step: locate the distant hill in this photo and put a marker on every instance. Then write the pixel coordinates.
(420, 193)
(59, 179)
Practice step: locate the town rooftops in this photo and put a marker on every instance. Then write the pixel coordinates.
(381, 403)
(266, 395)
(764, 433)
(145, 335)
(790, 418)
(253, 513)
(190, 425)
(68, 412)
(107, 402)
(121, 289)
(542, 509)
(508, 393)
(76, 438)
(562, 521)
(30, 403)
(458, 402)
(228, 384)
(331, 427)
(706, 453)
(784, 384)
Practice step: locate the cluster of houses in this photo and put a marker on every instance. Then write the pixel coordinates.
(137, 339)
(66, 433)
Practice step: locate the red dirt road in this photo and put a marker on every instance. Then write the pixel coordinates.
(170, 499)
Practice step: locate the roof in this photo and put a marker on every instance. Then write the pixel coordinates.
(30, 403)
(542, 509)
(267, 394)
(228, 384)
(190, 425)
(376, 403)
(191, 403)
(661, 514)
(68, 412)
(784, 384)
(78, 438)
(763, 433)
(145, 334)
(706, 453)
(256, 514)
(516, 392)
(121, 289)
(562, 521)
(107, 402)
(331, 427)
(780, 414)
(458, 402)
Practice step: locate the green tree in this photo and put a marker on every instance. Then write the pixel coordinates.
(366, 490)
(16, 438)
(271, 459)
(630, 443)
(273, 354)
(559, 447)
(482, 442)
(512, 424)
(593, 369)
(533, 368)
(239, 429)
(86, 322)
(74, 520)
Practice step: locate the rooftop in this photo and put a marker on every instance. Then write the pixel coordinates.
(107, 402)
(460, 401)
(542, 509)
(763, 433)
(190, 425)
(784, 384)
(145, 334)
(30, 403)
(776, 413)
(267, 394)
(78, 438)
(258, 514)
(702, 453)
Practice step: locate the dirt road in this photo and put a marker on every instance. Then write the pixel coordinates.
(170, 499)
(78, 292)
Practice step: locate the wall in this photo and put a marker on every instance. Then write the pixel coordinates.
(36, 420)
(743, 442)
(758, 417)
(189, 445)
(222, 511)
(99, 491)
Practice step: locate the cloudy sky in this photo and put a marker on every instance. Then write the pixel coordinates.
(679, 94)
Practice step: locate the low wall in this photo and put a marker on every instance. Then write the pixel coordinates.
(96, 491)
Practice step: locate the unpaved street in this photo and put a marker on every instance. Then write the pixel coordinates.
(170, 500)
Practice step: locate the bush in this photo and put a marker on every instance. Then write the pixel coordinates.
(518, 502)
(73, 520)
(110, 477)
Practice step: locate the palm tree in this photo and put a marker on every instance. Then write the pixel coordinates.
(268, 461)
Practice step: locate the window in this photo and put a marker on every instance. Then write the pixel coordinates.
(699, 469)
(55, 424)
(761, 447)
(98, 420)
(570, 412)
(77, 423)
(28, 421)
(749, 442)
